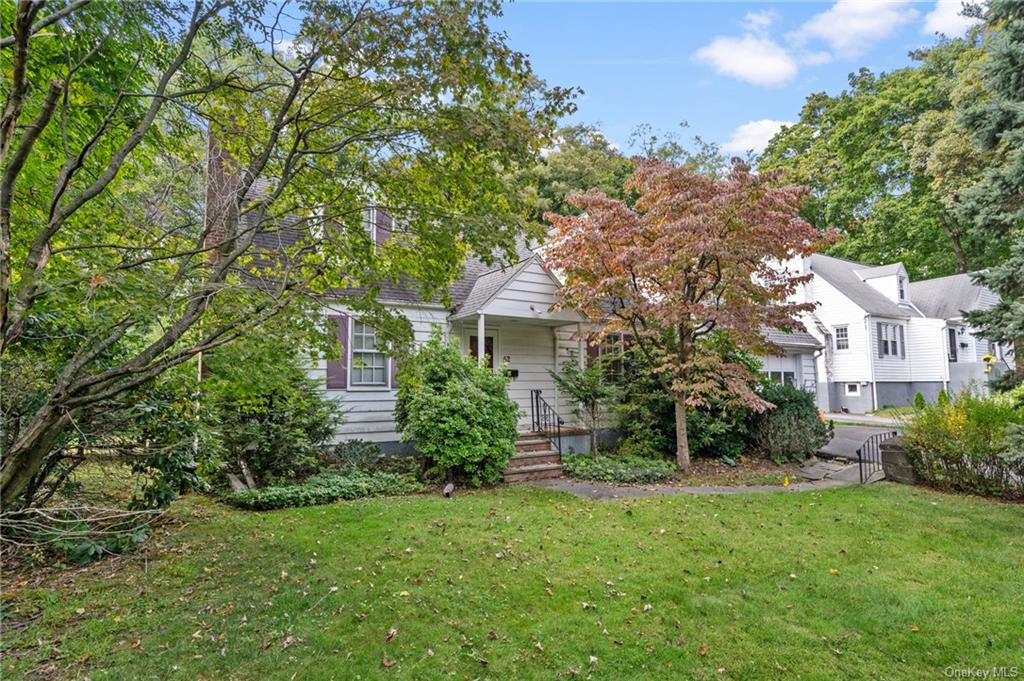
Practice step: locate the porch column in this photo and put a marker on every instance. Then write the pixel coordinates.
(581, 346)
(480, 345)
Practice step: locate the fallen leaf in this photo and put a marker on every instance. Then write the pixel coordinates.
(913, 627)
(492, 635)
(703, 649)
(834, 571)
(538, 646)
(392, 632)
(388, 664)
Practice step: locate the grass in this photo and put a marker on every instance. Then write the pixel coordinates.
(520, 582)
(905, 410)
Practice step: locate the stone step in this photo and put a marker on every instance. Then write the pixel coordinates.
(533, 458)
(532, 445)
(542, 471)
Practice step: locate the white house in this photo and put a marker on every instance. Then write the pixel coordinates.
(886, 338)
(510, 307)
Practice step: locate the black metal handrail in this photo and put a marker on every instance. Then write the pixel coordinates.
(546, 420)
(869, 454)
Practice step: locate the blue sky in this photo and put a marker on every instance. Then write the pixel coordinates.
(732, 70)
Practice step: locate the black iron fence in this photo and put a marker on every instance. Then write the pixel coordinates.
(869, 455)
(546, 420)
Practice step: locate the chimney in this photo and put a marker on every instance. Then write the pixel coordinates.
(222, 174)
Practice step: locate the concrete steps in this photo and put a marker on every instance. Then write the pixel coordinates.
(534, 460)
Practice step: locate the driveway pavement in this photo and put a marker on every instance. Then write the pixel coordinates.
(848, 440)
(866, 419)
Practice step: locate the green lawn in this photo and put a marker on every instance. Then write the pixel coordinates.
(519, 582)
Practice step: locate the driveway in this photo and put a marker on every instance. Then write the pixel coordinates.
(848, 440)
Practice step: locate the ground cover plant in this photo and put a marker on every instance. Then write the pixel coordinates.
(521, 582)
(628, 469)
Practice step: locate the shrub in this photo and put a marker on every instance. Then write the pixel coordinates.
(971, 444)
(324, 488)
(618, 468)
(646, 416)
(457, 414)
(273, 421)
(919, 401)
(368, 457)
(793, 430)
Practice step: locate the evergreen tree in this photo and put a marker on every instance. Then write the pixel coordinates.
(996, 202)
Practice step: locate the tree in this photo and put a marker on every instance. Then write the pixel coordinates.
(583, 158)
(114, 265)
(589, 388)
(693, 258)
(996, 202)
(886, 164)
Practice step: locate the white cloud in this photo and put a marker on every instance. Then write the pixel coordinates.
(850, 26)
(946, 19)
(758, 60)
(759, 22)
(752, 136)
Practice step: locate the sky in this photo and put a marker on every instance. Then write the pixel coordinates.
(734, 71)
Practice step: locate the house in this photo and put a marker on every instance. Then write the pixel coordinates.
(886, 338)
(511, 308)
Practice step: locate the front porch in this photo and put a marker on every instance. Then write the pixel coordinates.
(509, 319)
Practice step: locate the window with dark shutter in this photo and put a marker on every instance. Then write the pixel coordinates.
(337, 369)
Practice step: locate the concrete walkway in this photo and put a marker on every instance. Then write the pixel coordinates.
(819, 475)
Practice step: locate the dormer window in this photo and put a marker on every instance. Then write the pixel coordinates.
(378, 223)
(901, 287)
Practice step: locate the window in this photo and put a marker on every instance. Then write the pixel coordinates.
(889, 338)
(842, 337)
(488, 349)
(951, 332)
(901, 287)
(378, 223)
(787, 377)
(369, 364)
(853, 389)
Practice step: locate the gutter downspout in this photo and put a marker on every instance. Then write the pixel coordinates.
(871, 363)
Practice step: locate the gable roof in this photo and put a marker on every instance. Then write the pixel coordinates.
(946, 297)
(846, 276)
(792, 339)
(880, 271)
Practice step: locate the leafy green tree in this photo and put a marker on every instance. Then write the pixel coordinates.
(118, 262)
(583, 158)
(886, 163)
(996, 201)
(590, 391)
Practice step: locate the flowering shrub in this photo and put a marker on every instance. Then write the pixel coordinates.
(970, 444)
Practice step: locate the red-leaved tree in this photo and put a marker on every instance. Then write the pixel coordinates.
(696, 255)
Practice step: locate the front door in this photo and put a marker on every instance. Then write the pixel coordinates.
(488, 349)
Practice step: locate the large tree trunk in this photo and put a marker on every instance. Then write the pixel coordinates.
(682, 445)
(952, 228)
(26, 456)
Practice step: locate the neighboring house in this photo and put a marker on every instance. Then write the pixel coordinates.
(885, 338)
(511, 308)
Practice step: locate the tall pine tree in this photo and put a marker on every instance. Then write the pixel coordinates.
(996, 203)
